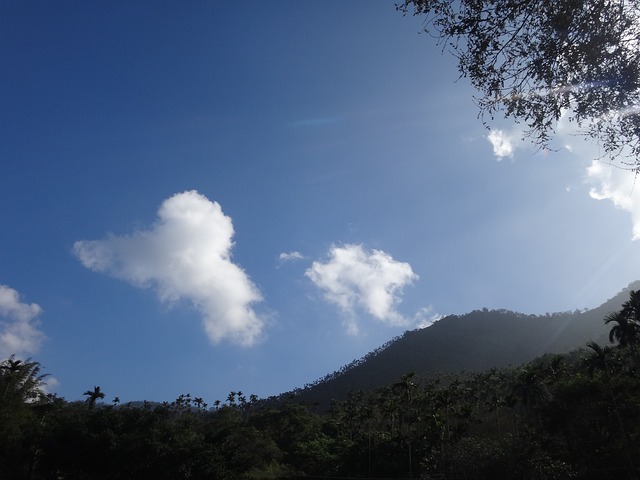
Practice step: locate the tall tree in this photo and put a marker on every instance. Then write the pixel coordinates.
(625, 332)
(626, 325)
(21, 380)
(93, 396)
(534, 61)
(21, 397)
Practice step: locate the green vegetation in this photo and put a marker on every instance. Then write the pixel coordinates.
(575, 415)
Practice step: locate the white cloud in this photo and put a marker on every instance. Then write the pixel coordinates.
(426, 317)
(185, 255)
(503, 143)
(19, 332)
(618, 185)
(50, 384)
(355, 279)
(290, 256)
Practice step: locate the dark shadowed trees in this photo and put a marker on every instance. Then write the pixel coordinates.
(603, 359)
(21, 399)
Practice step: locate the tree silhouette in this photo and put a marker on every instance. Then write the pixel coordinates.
(534, 61)
(21, 380)
(624, 332)
(93, 396)
(22, 406)
(626, 324)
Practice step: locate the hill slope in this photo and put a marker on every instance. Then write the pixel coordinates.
(476, 341)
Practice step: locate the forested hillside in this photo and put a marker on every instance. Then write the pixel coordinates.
(559, 416)
(473, 342)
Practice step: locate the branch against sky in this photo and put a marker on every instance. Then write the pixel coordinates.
(356, 279)
(533, 61)
(185, 255)
(19, 327)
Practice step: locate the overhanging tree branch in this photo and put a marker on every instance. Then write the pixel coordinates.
(536, 60)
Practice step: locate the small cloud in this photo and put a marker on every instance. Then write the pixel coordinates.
(503, 143)
(19, 326)
(425, 317)
(185, 255)
(356, 279)
(50, 384)
(618, 186)
(290, 256)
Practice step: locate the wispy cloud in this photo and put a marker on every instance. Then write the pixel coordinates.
(356, 279)
(504, 143)
(19, 326)
(185, 255)
(290, 256)
(426, 317)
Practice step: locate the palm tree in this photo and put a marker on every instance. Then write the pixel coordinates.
(530, 388)
(21, 380)
(625, 331)
(631, 307)
(602, 359)
(626, 327)
(93, 395)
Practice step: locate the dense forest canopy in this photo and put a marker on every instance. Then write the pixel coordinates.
(561, 416)
(540, 60)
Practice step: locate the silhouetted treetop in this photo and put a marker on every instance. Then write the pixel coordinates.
(21, 380)
(534, 61)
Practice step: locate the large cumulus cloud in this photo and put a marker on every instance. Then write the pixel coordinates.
(20, 334)
(356, 279)
(185, 255)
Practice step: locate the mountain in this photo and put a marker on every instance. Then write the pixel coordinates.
(476, 341)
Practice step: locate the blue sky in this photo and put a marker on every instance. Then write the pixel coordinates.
(200, 197)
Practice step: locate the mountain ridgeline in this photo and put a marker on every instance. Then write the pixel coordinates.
(473, 342)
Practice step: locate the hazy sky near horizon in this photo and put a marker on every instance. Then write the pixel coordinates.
(200, 197)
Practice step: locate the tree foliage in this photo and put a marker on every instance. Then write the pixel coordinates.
(21, 399)
(93, 396)
(538, 60)
(20, 380)
(625, 329)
